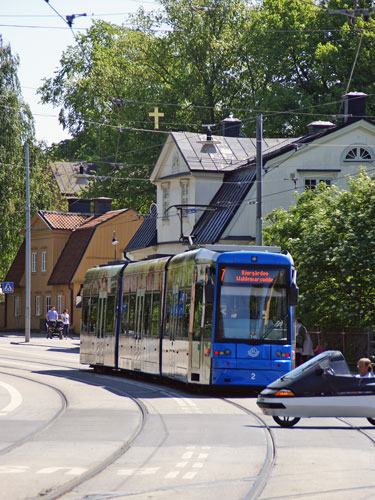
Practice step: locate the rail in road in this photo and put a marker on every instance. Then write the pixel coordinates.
(104, 437)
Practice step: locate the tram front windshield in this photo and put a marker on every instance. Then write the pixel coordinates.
(252, 304)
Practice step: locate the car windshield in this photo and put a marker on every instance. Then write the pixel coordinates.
(332, 361)
(252, 304)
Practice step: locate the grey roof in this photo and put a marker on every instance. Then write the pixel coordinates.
(232, 152)
(146, 235)
(64, 173)
(228, 198)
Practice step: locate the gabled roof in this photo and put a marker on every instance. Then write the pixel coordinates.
(146, 235)
(96, 221)
(65, 175)
(17, 268)
(71, 256)
(232, 152)
(63, 220)
(75, 248)
(228, 198)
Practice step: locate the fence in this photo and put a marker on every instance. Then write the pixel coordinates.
(353, 343)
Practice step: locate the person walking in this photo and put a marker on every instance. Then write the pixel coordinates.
(66, 322)
(300, 339)
(52, 314)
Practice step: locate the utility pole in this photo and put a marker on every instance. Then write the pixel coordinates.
(259, 165)
(28, 249)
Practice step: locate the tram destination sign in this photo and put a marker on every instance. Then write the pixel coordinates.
(253, 276)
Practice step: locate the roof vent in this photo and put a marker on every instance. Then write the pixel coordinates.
(318, 126)
(231, 126)
(79, 205)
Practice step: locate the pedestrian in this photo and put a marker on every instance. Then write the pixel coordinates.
(300, 338)
(52, 314)
(66, 322)
(364, 368)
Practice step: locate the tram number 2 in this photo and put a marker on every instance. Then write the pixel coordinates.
(252, 376)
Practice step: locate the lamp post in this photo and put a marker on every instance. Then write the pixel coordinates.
(114, 242)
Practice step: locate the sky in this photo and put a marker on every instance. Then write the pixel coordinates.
(36, 31)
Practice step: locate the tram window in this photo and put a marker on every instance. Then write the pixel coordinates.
(168, 314)
(110, 315)
(147, 314)
(207, 331)
(93, 317)
(124, 314)
(155, 320)
(85, 314)
(198, 311)
(186, 317)
(131, 323)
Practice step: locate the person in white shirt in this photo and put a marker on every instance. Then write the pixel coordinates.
(65, 320)
(364, 368)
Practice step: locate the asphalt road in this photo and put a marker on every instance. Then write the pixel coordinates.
(66, 432)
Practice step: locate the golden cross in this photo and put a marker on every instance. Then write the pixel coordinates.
(156, 116)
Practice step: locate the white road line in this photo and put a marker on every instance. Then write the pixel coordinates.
(180, 465)
(187, 455)
(71, 471)
(172, 474)
(15, 399)
(189, 475)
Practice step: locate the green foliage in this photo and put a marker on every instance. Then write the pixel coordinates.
(331, 236)
(16, 127)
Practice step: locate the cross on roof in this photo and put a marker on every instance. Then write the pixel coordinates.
(156, 116)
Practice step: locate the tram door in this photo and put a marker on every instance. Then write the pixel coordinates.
(100, 332)
(138, 348)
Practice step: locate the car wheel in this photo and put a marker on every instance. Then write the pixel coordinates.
(286, 421)
(371, 420)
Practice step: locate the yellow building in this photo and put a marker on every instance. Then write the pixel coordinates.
(63, 246)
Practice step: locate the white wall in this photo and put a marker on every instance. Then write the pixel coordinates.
(319, 159)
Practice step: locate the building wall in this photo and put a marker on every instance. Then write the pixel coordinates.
(322, 159)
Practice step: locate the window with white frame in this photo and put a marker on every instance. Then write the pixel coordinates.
(44, 262)
(358, 154)
(48, 303)
(165, 194)
(311, 183)
(184, 195)
(59, 304)
(33, 262)
(16, 305)
(37, 305)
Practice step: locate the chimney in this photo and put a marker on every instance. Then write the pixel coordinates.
(79, 205)
(102, 205)
(231, 127)
(318, 126)
(354, 106)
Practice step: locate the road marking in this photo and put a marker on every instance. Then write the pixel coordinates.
(181, 464)
(197, 465)
(187, 455)
(189, 475)
(71, 471)
(172, 474)
(15, 399)
(139, 472)
(13, 469)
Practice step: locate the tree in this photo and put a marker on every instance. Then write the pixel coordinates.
(16, 127)
(331, 235)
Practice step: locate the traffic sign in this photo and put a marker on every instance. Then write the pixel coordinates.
(8, 287)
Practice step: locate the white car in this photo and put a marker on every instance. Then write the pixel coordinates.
(321, 387)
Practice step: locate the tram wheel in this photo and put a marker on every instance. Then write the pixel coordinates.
(371, 420)
(286, 421)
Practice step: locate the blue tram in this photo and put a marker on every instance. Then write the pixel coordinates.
(214, 315)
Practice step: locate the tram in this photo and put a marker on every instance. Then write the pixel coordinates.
(216, 315)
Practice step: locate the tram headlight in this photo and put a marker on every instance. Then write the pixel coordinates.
(227, 352)
(281, 354)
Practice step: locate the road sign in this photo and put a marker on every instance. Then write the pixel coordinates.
(8, 287)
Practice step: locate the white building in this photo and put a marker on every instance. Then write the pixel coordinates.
(206, 189)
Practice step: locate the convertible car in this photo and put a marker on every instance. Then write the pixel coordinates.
(321, 387)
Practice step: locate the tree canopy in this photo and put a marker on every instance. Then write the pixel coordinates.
(331, 235)
(198, 61)
(16, 127)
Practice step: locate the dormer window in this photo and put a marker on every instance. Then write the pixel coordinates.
(358, 154)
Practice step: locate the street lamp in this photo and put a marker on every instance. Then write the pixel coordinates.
(114, 242)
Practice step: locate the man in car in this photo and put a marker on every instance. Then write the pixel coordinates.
(364, 368)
